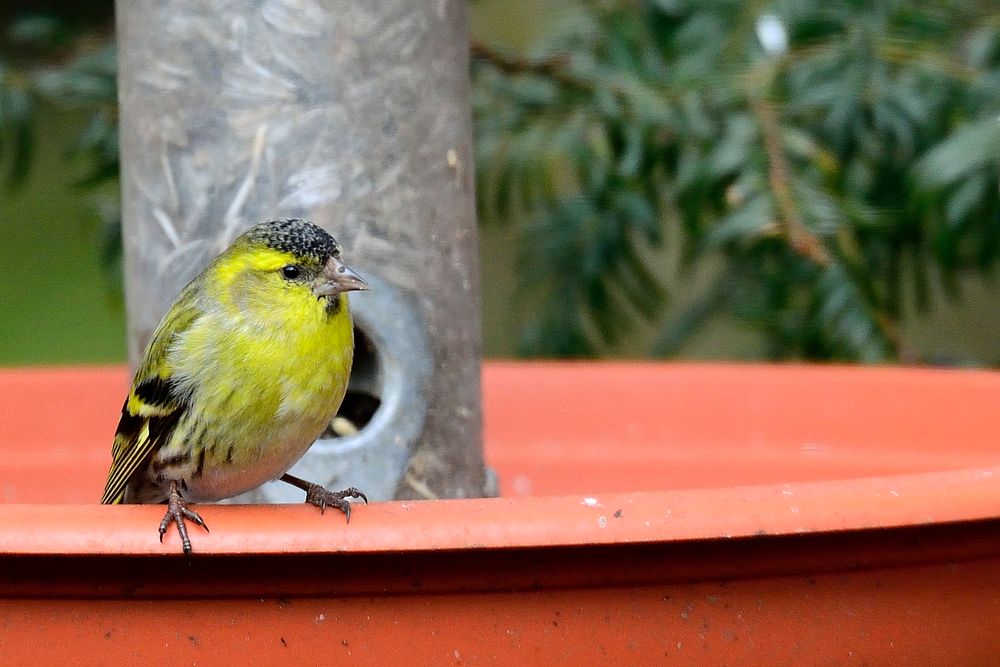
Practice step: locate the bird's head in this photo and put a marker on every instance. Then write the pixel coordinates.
(286, 262)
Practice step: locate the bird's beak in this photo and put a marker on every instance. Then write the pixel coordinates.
(337, 278)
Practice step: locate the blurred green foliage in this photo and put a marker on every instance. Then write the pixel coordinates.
(814, 149)
(819, 154)
(49, 65)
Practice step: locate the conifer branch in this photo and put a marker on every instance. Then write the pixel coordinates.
(800, 238)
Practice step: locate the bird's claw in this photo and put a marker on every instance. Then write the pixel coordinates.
(177, 512)
(323, 498)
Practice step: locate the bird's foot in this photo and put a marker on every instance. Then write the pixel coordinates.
(323, 498)
(177, 512)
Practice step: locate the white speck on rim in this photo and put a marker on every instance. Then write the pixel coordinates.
(894, 492)
(591, 502)
(521, 485)
(602, 521)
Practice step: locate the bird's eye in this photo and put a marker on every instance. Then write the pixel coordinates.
(291, 271)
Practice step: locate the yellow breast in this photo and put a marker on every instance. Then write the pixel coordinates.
(264, 383)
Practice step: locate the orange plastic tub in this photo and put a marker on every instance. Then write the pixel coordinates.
(652, 514)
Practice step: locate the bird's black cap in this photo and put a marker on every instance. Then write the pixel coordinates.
(294, 235)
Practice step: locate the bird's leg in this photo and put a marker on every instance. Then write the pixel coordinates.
(177, 511)
(322, 498)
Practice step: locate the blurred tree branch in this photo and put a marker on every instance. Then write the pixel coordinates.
(791, 143)
(554, 68)
(800, 239)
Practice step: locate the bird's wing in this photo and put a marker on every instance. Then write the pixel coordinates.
(153, 406)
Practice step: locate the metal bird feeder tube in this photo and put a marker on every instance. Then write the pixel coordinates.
(352, 115)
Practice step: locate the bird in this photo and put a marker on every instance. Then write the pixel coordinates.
(243, 373)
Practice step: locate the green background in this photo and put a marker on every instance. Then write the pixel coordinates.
(59, 305)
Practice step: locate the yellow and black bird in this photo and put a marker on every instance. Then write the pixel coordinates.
(244, 372)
